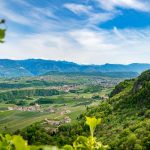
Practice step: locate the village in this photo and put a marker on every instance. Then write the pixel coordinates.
(50, 122)
(52, 125)
(65, 88)
(38, 108)
(35, 107)
(57, 123)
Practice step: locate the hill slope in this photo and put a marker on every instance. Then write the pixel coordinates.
(33, 67)
(125, 117)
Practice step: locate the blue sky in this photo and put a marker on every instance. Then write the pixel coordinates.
(82, 31)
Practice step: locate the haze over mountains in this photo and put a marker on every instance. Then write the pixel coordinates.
(34, 67)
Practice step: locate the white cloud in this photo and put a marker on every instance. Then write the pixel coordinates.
(77, 40)
(31, 16)
(11, 15)
(78, 8)
(84, 46)
(98, 18)
(121, 36)
(129, 4)
(92, 16)
(110, 7)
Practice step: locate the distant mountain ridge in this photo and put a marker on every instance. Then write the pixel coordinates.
(33, 67)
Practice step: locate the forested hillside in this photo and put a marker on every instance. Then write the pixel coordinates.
(125, 119)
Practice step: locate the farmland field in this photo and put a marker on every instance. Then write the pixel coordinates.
(64, 95)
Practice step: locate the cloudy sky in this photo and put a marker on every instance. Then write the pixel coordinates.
(82, 31)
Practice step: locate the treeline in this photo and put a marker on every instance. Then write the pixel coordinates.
(114, 74)
(35, 83)
(25, 93)
(93, 89)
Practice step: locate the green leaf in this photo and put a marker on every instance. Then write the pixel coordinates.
(92, 122)
(2, 35)
(81, 143)
(19, 143)
(68, 147)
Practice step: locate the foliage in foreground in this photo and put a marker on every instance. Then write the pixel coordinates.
(2, 32)
(88, 143)
(16, 142)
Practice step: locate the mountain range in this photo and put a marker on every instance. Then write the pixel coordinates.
(34, 67)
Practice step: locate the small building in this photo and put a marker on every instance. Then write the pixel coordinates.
(67, 119)
(65, 112)
(52, 122)
(10, 108)
(51, 110)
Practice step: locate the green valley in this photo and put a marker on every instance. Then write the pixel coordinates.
(26, 100)
(125, 120)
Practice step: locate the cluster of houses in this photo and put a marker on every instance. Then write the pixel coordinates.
(35, 107)
(106, 83)
(54, 124)
(65, 88)
(53, 110)
(57, 123)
